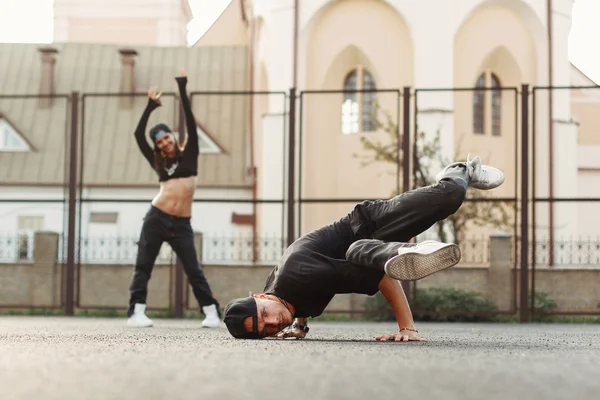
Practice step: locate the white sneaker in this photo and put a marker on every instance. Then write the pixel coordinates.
(212, 319)
(484, 177)
(426, 258)
(139, 319)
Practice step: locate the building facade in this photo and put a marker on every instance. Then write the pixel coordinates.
(426, 45)
(129, 22)
(485, 48)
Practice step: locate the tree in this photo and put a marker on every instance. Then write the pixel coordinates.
(426, 154)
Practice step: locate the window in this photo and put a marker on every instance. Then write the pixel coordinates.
(496, 106)
(358, 108)
(368, 103)
(479, 106)
(350, 105)
(27, 226)
(487, 105)
(206, 144)
(10, 140)
(104, 217)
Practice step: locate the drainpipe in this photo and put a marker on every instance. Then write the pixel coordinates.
(251, 49)
(550, 140)
(295, 65)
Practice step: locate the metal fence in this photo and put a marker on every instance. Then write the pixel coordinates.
(567, 253)
(450, 123)
(16, 248)
(555, 213)
(215, 249)
(299, 195)
(44, 161)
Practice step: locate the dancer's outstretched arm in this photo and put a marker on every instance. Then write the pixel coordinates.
(394, 294)
(153, 102)
(190, 143)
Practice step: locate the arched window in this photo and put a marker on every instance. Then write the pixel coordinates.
(369, 124)
(487, 105)
(358, 108)
(479, 106)
(496, 106)
(350, 104)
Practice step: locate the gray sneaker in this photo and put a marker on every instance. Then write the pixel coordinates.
(484, 177)
(481, 176)
(426, 258)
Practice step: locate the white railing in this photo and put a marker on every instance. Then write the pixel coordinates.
(16, 247)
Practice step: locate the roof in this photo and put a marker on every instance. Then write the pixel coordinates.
(578, 78)
(111, 156)
(230, 28)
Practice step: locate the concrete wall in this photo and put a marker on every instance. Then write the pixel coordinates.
(39, 283)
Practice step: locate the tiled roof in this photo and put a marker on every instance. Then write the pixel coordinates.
(111, 156)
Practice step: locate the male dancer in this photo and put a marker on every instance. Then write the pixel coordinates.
(364, 252)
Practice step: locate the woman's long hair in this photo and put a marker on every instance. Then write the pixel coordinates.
(160, 162)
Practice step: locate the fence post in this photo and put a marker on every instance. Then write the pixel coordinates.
(291, 167)
(70, 270)
(500, 274)
(524, 284)
(406, 160)
(179, 284)
(406, 140)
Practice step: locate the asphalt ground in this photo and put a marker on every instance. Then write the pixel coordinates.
(92, 358)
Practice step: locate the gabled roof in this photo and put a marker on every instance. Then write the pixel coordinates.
(230, 28)
(111, 156)
(578, 78)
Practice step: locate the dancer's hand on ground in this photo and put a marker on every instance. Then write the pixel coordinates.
(291, 333)
(402, 336)
(154, 94)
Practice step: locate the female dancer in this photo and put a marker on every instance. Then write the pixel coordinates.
(168, 219)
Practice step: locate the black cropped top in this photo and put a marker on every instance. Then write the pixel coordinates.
(187, 164)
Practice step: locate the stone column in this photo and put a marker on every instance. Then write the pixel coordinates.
(45, 276)
(500, 276)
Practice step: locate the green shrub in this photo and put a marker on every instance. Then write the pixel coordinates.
(543, 302)
(447, 300)
(433, 304)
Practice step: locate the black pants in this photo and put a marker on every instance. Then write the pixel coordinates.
(159, 227)
(381, 227)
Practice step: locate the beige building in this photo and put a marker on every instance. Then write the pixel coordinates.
(384, 45)
(34, 142)
(123, 22)
(364, 44)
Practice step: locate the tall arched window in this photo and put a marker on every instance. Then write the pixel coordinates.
(358, 108)
(487, 105)
(479, 106)
(350, 104)
(496, 106)
(369, 123)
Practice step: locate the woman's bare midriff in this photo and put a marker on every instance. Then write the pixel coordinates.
(176, 196)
